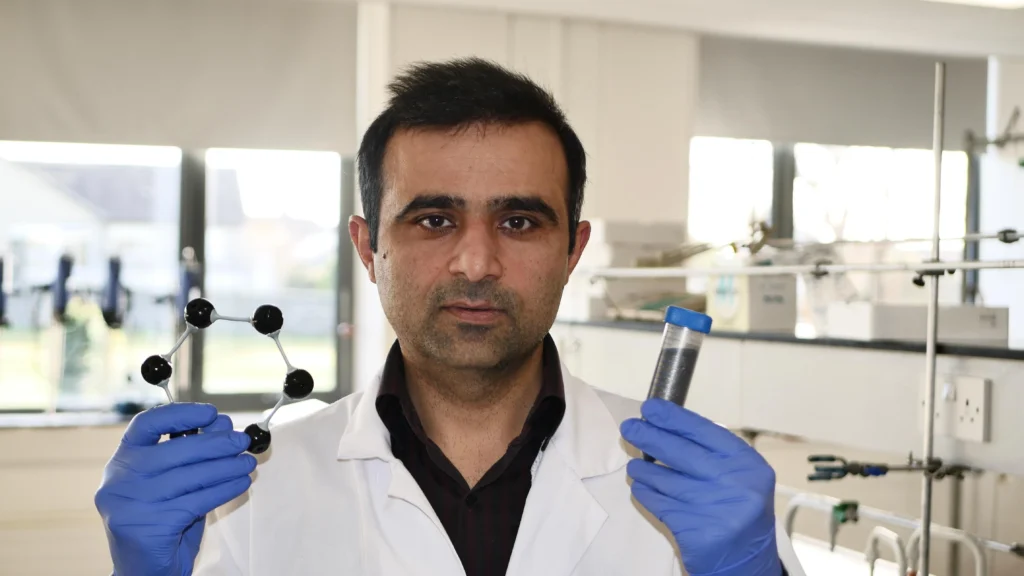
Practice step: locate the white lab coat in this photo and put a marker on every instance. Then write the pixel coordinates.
(329, 498)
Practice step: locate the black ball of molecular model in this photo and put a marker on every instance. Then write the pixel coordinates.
(267, 320)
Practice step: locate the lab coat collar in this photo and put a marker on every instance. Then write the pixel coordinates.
(588, 439)
(365, 437)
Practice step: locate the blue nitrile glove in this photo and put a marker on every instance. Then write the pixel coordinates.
(715, 493)
(155, 496)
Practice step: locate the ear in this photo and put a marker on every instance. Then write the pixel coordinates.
(359, 231)
(582, 237)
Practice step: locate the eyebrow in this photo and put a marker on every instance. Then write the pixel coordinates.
(503, 204)
(524, 204)
(431, 202)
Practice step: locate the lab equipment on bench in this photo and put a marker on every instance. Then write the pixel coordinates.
(267, 320)
(680, 345)
(966, 325)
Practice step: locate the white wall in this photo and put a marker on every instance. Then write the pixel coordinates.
(190, 73)
(629, 92)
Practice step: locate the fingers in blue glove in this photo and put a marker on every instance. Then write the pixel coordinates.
(665, 508)
(685, 489)
(689, 424)
(147, 427)
(202, 502)
(676, 452)
(223, 423)
(725, 535)
(178, 482)
(153, 460)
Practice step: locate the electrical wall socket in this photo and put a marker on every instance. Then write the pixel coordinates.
(971, 411)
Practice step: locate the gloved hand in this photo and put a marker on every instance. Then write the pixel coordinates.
(715, 493)
(155, 496)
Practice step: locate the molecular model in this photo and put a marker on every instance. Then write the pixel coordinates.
(267, 320)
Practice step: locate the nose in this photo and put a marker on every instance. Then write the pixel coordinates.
(476, 254)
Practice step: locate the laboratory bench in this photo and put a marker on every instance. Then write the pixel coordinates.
(859, 394)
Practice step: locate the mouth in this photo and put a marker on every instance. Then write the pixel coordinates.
(474, 312)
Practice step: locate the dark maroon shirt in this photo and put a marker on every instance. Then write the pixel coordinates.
(482, 521)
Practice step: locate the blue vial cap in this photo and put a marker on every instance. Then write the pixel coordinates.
(688, 319)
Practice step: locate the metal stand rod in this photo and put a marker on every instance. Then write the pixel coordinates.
(1012, 235)
(931, 340)
(821, 269)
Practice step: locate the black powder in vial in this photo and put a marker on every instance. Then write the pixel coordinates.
(672, 376)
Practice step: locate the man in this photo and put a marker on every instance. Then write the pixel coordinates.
(474, 452)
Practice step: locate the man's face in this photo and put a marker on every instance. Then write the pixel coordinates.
(473, 242)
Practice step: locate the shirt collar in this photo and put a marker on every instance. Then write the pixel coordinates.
(587, 438)
(395, 407)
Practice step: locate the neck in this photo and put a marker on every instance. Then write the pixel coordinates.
(474, 413)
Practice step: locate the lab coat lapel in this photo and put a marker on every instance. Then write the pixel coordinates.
(367, 438)
(562, 517)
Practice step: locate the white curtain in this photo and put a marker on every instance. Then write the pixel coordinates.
(190, 73)
(828, 95)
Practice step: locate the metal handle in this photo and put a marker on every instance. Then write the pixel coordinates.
(880, 533)
(113, 303)
(60, 287)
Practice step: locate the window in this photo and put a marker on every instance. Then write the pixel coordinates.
(863, 197)
(730, 188)
(87, 202)
(272, 237)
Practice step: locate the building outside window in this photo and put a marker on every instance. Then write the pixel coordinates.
(87, 203)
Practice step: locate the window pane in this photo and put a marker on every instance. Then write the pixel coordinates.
(271, 238)
(859, 194)
(730, 188)
(90, 202)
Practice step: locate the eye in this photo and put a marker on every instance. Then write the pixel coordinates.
(518, 223)
(435, 222)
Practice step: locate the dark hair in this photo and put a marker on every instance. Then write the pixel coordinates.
(457, 94)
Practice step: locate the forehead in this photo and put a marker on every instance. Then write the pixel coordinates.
(476, 163)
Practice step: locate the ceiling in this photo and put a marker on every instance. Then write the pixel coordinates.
(921, 26)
